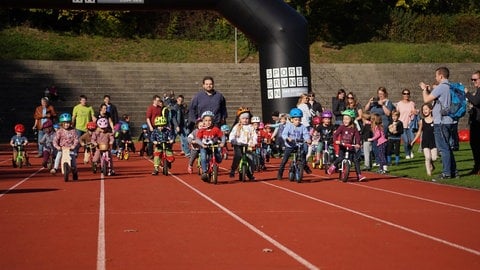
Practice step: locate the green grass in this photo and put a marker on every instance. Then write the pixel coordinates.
(27, 43)
(415, 168)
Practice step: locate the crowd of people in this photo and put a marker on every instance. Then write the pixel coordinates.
(372, 133)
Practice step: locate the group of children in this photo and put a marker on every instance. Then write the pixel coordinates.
(247, 133)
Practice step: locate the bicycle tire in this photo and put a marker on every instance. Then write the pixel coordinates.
(243, 173)
(19, 162)
(66, 171)
(104, 168)
(299, 172)
(165, 167)
(345, 171)
(214, 178)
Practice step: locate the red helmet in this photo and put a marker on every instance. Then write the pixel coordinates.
(316, 120)
(91, 126)
(19, 128)
(47, 124)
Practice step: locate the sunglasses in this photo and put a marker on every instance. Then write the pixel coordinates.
(406, 94)
(474, 80)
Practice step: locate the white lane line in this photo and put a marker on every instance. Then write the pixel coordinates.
(277, 244)
(101, 227)
(19, 183)
(418, 198)
(473, 251)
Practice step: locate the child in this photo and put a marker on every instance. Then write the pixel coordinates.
(117, 130)
(381, 142)
(19, 141)
(425, 129)
(293, 133)
(103, 139)
(194, 147)
(243, 134)
(266, 135)
(47, 142)
(326, 130)
(395, 131)
(348, 134)
(366, 133)
(258, 126)
(66, 137)
(226, 132)
(207, 136)
(144, 138)
(125, 139)
(316, 136)
(86, 141)
(277, 134)
(162, 134)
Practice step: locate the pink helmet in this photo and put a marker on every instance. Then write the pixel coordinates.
(316, 120)
(261, 125)
(102, 123)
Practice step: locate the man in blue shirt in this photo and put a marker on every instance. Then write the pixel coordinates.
(208, 99)
(442, 124)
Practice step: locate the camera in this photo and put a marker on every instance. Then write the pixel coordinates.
(375, 101)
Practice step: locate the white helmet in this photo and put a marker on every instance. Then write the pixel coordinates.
(255, 119)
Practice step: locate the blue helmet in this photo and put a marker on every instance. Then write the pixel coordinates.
(144, 126)
(296, 112)
(125, 127)
(225, 128)
(65, 117)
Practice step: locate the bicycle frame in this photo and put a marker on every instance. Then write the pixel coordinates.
(297, 164)
(346, 163)
(20, 155)
(244, 165)
(212, 167)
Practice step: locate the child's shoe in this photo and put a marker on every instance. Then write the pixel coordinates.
(385, 168)
(361, 178)
(189, 169)
(155, 171)
(331, 169)
(232, 173)
(307, 169)
(53, 171)
(204, 177)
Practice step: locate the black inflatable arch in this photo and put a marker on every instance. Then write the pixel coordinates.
(279, 31)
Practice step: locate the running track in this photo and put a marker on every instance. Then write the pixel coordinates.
(138, 221)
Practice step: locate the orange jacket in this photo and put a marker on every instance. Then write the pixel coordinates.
(51, 114)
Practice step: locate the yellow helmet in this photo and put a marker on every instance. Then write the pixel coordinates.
(160, 121)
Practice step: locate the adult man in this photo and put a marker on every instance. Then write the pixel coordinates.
(81, 115)
(111, 109)
(153, 111)
(179, 114)
(42, 113)
(208, 99)
(442, 124)
(474, 121)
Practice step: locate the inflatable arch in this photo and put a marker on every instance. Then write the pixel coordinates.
(279, 31)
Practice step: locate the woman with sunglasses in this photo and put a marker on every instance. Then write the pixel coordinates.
(352, 104)
(407, 111)
(473, 97)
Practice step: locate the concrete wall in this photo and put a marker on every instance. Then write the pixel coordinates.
(132, 85)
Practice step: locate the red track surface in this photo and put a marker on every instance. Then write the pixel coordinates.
(138, 221)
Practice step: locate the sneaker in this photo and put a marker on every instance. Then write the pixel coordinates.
(412, 155)
(155, 172)
(407, 157)
(307, 170)
(366, 168)
(331, 169)
(361, 178)
(204, 177)
(381, 171)
(279, 177)
(375, 164)
(189, 169)
(232, 174)
(53, 171)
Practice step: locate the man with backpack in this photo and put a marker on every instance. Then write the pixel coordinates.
(443, 123)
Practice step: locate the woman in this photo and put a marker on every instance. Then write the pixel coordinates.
(338, 106)
(407, 111)
(302, 104)
(352, 103)
(382, 106)
(42, 113)
(104, 114)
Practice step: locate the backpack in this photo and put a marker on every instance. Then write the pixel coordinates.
(456, 107)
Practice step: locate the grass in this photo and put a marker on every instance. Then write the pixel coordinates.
(415, 168)
(27, 43)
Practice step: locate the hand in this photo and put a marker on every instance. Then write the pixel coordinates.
(424, 86)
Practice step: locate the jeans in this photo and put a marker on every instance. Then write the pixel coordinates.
(203, 157)
(443, 134)
(407, 137)
(39, 137)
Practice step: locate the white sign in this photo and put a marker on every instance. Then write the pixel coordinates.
(285, 82)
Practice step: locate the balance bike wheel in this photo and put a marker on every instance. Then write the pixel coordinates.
(243, 173)
(299, 174)
(66, 171)
(214, 177)
(165, 168)
(345, 171)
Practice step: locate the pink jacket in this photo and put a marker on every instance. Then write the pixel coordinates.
(65, 138)
(379, 136)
